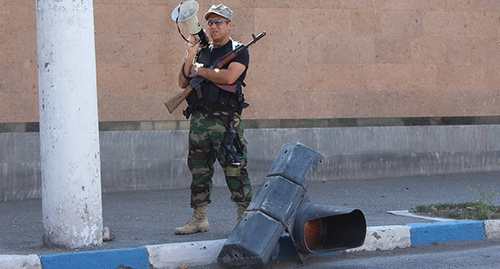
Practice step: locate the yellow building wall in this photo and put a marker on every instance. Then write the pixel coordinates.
(319, 59)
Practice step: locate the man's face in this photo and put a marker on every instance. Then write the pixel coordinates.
(219, 32)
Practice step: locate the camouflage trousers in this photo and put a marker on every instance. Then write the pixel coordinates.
(205, 137)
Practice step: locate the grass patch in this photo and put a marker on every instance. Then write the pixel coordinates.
(480, 208)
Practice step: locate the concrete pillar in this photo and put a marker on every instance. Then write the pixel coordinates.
(69, 132)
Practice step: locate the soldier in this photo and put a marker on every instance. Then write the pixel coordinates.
(214, 114)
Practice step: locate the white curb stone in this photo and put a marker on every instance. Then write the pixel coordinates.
(206, 252)
(184, 254)
(20, 261)
(385, 238)
(492, 229)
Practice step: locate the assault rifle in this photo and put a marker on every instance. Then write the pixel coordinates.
(175, 101)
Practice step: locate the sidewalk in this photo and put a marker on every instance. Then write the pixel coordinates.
(148, 218)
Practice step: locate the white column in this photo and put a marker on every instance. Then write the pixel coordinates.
(69, 132)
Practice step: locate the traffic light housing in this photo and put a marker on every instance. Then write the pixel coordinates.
(281, 204)
(322, 228)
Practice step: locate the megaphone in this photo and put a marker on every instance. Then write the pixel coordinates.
(185, 12)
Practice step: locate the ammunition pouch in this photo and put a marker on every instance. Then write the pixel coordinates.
(213, 98)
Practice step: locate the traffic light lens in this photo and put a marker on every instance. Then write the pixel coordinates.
(313, 234)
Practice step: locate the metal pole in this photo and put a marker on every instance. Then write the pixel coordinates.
(69, 132)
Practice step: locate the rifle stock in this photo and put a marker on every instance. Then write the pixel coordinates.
(175, 101)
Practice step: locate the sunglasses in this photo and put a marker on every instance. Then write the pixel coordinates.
(217, 22)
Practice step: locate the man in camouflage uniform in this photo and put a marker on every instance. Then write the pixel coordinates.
(214, 112)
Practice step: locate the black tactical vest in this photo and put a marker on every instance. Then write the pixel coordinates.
(208, 97)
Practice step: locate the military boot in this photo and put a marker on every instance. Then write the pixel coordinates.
(197, 223)
(240, 209)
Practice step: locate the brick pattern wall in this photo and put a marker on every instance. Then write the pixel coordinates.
(320, 59)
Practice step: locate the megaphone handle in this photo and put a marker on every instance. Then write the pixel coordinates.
(179, 29)
(177, 21)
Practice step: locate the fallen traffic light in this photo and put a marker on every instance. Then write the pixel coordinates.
(281, 204)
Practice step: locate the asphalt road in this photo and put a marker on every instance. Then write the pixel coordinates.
(149, 218)
(482, 254)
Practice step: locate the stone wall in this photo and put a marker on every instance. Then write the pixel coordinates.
(146, 160)
(320, 59)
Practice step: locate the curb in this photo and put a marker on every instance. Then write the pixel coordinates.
(206, 252)
(187, 254)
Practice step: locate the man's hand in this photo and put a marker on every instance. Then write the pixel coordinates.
(220, 76)
(193, 72)
(193, 44)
